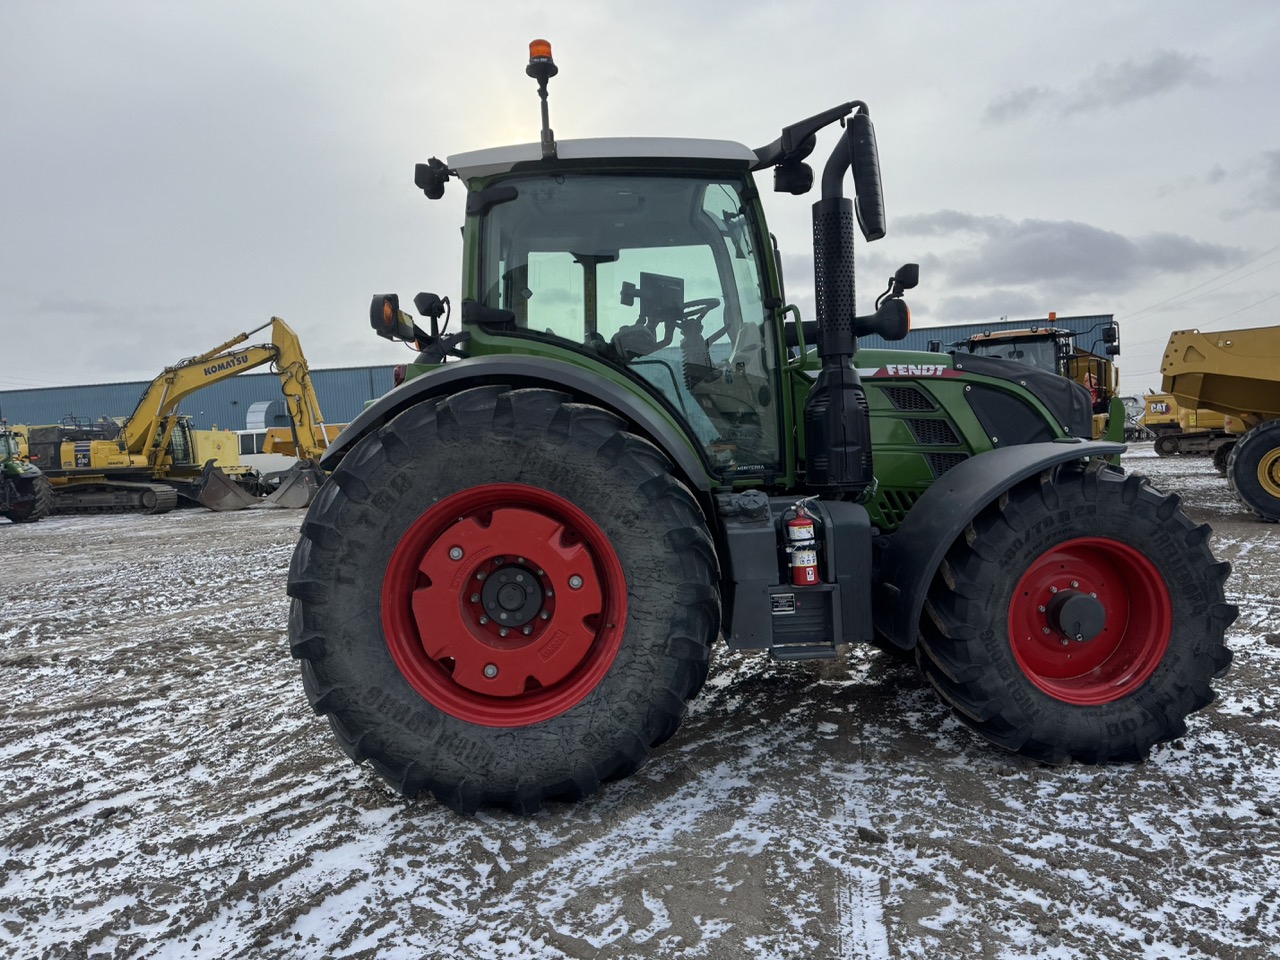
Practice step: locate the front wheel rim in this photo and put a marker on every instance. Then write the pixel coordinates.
(504, 605)
(1124, 652)
(1269, 473)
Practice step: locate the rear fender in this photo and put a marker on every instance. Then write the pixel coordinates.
(521, 371)
(940, 516)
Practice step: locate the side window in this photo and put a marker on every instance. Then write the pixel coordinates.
(553, 295)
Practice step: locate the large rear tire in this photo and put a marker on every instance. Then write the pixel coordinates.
(36, 502)
(1253, 470)
(503, 597)
(1079, 616)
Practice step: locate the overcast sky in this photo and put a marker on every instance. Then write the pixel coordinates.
(177, 172)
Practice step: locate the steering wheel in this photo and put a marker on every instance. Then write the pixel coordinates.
(697, 310)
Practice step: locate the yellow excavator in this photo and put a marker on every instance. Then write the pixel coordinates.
(153, 457)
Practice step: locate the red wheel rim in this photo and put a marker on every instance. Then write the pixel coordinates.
(1124, 652)
(504, 605)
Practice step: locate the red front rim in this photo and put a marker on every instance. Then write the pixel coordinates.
(1137, 619)
(504, 605)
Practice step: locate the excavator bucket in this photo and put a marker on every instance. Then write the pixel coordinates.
(298, 485)
(217, 491)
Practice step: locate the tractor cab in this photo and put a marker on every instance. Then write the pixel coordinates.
(648, 267)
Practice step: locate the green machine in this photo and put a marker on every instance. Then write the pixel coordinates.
(25, 493)
(631, 446)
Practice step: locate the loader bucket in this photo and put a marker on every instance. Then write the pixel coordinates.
(298, 486)
(217, 491)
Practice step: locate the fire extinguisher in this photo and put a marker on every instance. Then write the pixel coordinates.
(802, 548)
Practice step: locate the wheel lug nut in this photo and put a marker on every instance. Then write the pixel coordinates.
(1041, 608)
(490, 670)
(575, 582)
(1045, 630)
(526, 629)
(503, 632)
(455, 553)
(1074, 584)
(483, 621)
(1053, 589)
(1064, 641)
(475, 598)
(545, 614)
(480, 574)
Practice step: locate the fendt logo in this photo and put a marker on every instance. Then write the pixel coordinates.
(919, 370)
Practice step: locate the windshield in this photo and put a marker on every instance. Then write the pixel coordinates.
(1042, 354)
(656, 274)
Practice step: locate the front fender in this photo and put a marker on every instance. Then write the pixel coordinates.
(523, 371)
(940, 516)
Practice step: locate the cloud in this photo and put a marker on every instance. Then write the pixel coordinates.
(1130, 81)
(1108, 86)
(1019, 103)
(997, 252)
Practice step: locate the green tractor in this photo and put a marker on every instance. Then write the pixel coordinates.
(25, 493)
(633, 446)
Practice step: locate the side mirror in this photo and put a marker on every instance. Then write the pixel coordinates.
(389, 321)
(433, 308)
(892, 320)
(865, 158)
(1110, 333)
(908, 276)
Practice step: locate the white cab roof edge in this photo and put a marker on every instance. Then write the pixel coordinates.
(486, 163)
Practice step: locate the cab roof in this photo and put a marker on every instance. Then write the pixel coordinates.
(494, 160)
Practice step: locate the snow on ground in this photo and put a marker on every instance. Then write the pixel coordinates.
(166, 792)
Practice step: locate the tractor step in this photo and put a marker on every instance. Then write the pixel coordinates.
(803, 651)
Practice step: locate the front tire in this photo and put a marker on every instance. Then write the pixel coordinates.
(1080, 616)
(503, 597)
(1253, 470)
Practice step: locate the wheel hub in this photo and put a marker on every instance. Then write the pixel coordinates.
(508, 594)
(1077, 615)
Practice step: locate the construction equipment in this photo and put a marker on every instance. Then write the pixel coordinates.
(1235, 373)
(1060, 351)
(149, 460)
(25, 494)
(509, 589)
(1180, 431)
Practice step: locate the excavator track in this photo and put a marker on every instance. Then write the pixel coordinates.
(114, 497)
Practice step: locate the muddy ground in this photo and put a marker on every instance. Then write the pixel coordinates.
(166, 792)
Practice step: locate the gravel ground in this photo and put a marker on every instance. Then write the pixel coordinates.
(166, 792)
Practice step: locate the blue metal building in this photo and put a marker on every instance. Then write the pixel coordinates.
(918, 339)
(342, 393)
